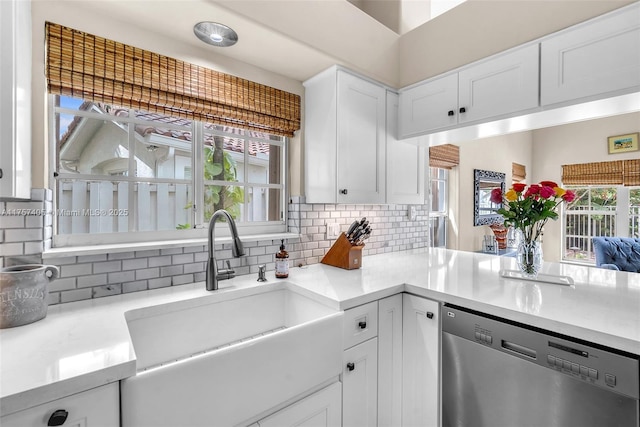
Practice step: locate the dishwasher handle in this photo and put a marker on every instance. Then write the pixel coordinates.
(519, 349)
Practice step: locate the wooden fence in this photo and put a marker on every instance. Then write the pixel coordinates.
(107, 207)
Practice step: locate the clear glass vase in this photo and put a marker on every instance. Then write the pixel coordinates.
(529, 256)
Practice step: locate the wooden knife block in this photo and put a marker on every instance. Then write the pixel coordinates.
(343, 254)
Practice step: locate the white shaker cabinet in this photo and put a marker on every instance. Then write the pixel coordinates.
(360, 385)
(390, 361)
(344, 139)
(98, 407)
(406, 161)
(321, 409)
(421, 349)
(499, 86)
(15, 99)
(598, 58)
(428, 106)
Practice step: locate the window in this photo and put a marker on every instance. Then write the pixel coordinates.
(599, 211)
(438, 206)
(122, 170)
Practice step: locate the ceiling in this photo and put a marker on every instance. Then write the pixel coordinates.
(294, 38)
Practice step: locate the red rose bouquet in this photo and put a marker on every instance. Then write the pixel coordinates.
(529, 208)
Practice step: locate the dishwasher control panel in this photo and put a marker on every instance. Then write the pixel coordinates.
(598, 365)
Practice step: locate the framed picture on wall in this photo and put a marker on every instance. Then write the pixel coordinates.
(623, 143)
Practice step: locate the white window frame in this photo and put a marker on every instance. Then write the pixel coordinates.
(622, 216)
(197, 182)
(444, 213)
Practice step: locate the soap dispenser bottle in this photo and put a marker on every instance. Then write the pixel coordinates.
(282, 262)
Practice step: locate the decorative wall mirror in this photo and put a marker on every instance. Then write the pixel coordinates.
(485, 211)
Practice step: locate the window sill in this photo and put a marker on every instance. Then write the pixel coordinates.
(146, 246)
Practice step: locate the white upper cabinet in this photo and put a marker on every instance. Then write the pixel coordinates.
(598, 58)
(15, 99)
(406, 161)
(344, 139)
(499, 86)
(430, 105)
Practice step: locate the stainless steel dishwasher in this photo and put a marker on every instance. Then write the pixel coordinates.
(497, 373)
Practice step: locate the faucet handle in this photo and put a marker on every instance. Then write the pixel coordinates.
(226, 273)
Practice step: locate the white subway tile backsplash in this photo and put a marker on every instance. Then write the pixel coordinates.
(147, 273)
(140, 285)
(12, 221)
(173, 270)
(73, 270)
(92, 258)
(106, 290)
(76, 295)
(160, 261)
(107, 267)
(182, 259)
(26, 235)
(62, 284)
(134, 264)
(122, 276)
(11, 249)
(92, 280)
(182, 279)
(161, 282)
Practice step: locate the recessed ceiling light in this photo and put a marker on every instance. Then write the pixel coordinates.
(215, 34)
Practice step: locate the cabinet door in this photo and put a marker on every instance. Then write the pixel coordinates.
(429, 106)
(15, 99)
(360, 385)
(390, 362)
(405, 161)
(501, 85)
(321, 409)
(95, 407)
(421, 347)
(597, 57)
(361, 140)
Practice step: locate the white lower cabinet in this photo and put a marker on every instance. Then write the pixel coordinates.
(390, 361)
(421, 349)
(360, 385)
(321, 409)
(92, 408)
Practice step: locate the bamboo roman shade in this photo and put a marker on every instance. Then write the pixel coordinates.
(619, 172)
(85, 66)
(444, 156)
(631, 172)
(518, 172)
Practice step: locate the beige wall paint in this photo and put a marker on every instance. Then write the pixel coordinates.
(479, 28)
(582, 142)
(493, 154)
(69, 14)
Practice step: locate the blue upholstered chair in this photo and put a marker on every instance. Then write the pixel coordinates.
(617, 253)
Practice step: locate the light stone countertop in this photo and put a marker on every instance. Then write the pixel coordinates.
(86, 344)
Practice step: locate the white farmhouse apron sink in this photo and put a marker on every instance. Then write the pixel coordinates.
(223, 359)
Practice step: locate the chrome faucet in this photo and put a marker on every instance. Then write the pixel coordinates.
(213, 275)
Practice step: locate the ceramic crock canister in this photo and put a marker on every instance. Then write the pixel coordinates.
(23, 293)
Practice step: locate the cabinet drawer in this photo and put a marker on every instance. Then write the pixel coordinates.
(95, 407)
(360, 324)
